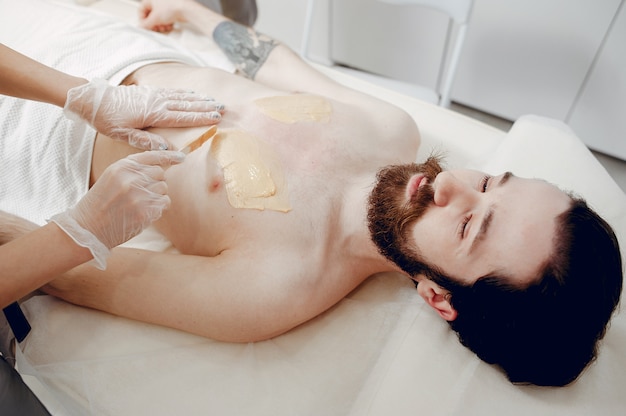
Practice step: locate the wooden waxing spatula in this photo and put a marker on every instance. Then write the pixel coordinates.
(196, 143)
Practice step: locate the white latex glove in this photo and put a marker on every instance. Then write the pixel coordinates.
(119, 112)
(129, 196)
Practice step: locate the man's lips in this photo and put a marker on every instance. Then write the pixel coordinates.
(412, 187)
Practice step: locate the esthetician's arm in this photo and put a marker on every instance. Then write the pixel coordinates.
(25, 78)
(33, 259)
(111, 110)
(129, 195)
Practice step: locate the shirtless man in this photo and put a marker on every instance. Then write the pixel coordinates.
(271, 214)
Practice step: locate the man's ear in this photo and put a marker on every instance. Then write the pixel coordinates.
(436, 297)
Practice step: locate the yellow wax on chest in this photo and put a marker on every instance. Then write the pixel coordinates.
(253, 174)
(295, 108)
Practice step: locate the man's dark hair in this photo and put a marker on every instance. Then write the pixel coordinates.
(548, 332)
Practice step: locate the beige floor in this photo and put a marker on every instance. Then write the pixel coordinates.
(616, 167)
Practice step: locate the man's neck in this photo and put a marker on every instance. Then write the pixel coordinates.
(354, 224)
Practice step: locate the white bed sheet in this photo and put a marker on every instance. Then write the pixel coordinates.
(381, 351)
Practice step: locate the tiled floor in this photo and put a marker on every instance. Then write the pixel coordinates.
(616, 167)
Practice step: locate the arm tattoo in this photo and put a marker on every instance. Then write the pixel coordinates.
(244, 47)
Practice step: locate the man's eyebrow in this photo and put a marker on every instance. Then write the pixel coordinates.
(488, 218)
(505, 178)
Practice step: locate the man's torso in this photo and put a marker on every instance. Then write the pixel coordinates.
(321, 155)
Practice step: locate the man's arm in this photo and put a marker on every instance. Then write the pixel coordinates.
(255, 55)
(231, 297)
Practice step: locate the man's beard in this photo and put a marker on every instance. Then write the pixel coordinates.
(390, 216)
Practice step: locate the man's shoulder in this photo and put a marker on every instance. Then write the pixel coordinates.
(388, 130)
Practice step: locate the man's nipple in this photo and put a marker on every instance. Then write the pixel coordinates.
(215, 186)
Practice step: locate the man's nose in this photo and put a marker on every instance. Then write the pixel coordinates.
(450, 190)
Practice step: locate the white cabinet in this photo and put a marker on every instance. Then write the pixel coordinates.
(401, 42)
(357, 33)
(599, 114)
(532, 56)
(520, 57)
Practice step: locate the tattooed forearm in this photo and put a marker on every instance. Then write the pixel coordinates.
(244, 47)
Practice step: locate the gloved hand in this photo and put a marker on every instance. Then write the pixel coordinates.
(129, 196)
(119, 112)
